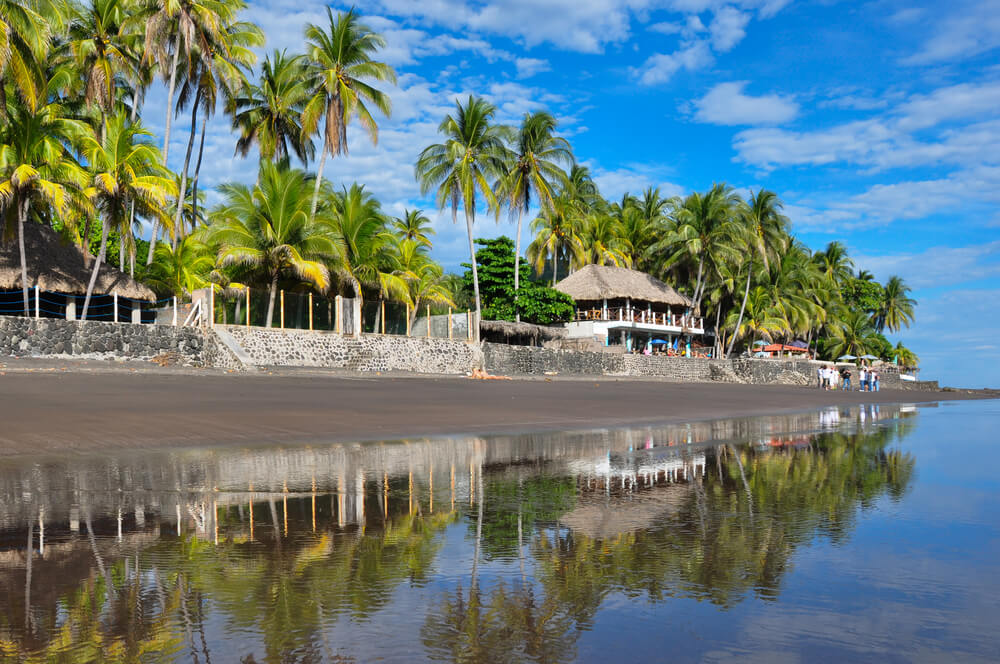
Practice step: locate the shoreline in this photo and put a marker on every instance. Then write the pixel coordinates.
(51, 407)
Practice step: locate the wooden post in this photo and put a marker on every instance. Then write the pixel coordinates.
(116, 306)
(282, 310)
(175, 311)
(37, 307)
(450, 337)
(428, 321)
(381, 304)
(310, 312)
(339, 302)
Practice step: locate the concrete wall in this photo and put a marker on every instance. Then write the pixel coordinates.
(299, 348)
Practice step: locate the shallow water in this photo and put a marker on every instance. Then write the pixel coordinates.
(862, 534)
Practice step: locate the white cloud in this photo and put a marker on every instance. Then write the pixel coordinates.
(728, 28)
(528, 67)
(660, 67)
(969, 29)
(725, 104)
(937, 266)
(634, 179)
(956, 102)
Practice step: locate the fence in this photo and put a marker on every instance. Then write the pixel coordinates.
(343, 315)
(103, 307)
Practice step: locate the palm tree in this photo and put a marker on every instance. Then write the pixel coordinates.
(181, 270)
(472, 156)
(414, 225)
(98, 43)
(580, 188)
(25, 33)
(342, 67)
(534, 173)
(836, 264)
(267, 229)
(124, 168)
(853, 335)
(702, 233)
(362, 254)
(896, 308)
(557, 232)
(425, 281)
(759, 318)
(603, 241)
(643, 224)
(36, 165)
(269, 113)
(905, 356)
(765, 233)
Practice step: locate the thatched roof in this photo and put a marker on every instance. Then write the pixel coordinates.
(597, 282)
(511, 329)
(57, 266)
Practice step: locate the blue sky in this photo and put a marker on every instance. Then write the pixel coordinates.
(876, 122)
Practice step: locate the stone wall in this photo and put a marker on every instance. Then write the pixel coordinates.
(503, 359)
(27, 337)
(301, 348)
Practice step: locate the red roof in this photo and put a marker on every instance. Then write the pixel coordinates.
(777, 348)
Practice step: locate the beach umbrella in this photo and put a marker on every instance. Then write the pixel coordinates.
(760, 342)
(847, 357)
(761, 353)
(869, 357)
(660, 342)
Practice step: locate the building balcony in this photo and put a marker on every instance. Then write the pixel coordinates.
(628, 317)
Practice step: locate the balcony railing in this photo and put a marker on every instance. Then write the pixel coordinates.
(684, 321)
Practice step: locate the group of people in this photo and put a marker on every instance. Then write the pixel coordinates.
(829, 378)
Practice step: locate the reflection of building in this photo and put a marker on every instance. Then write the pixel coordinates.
(616, 306)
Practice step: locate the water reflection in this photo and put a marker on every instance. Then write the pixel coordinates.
(480, 549)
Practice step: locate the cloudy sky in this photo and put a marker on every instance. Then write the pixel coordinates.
(876, 122)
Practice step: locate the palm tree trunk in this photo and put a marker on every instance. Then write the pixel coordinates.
(179, 213)
(739, 321)
(475, 272)
(517, 264)
(413, 315)
(698, 286)
(166, 130)
(319, 182)
(270, 300)
(197, 172)
(22, 213)
(97, 266)
(131, 213)
(718, 339)
(555, 266)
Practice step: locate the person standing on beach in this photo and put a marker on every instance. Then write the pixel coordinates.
(845, 375)
(875, 381)
(862, 379)
(819, 376)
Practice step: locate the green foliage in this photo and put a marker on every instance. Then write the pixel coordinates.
(862, 295)
(537, 303)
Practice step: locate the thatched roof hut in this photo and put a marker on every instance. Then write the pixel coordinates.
(535, 334)
(58, 266)
(594, 283)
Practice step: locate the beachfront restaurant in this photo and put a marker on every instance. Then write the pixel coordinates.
(616, 306)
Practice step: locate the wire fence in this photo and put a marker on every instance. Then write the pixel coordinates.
(343, 315)
(69, 306)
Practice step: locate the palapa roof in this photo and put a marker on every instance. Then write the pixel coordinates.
(597, 282)
(58, 266)
(529, 330)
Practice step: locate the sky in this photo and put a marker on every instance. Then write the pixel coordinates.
(877, 123)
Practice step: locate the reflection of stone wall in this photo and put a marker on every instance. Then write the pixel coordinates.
(367, 353)
(27, 337)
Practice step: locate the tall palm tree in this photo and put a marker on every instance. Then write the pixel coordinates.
(267, 229)
(124, 167)
(765, 233)
(604, 242)
(425, 282)
(472, 156)
(558, 232)
(269, 112)
(99, 44)
(363, 244)
(181, 270)
(580, 188)
(36, 165)
(759, 318)
(342, 69)
(414, 225)
(535, 174)
(895, 311)
(644, 222)
(853, 335)
(25, 33)
(702, 233)
(836, 264)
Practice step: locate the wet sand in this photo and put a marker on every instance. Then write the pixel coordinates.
(89, 407)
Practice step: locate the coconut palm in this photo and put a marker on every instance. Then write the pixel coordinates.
(644, 222)
(759, 319)
(268, 114)
(342, 69)
(765, 234)
(579, 186)
(603, 241)
(702, 233)
(414, 225)
(36, 166)
(896, 308)
(25, 33)
(267, 230)
(836, 264)
(180, 270)
(363, 245)
(472, 156)
(425, 281)
(99, 45)
(535, 174)
(124, 168)
(904, 356)
(558, 232)
(854, 335)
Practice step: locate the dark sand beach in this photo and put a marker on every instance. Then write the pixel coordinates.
(86, 407)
